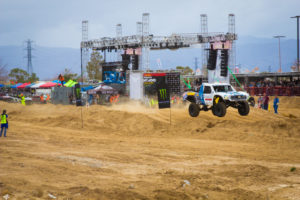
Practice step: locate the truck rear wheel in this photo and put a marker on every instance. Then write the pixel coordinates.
(194, 110)
(219, 109)
(243, 108)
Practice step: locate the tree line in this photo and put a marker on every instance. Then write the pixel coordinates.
(93, 71)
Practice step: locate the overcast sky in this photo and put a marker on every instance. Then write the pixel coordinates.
(57, 23)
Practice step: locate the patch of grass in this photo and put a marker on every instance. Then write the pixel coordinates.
(293, 169)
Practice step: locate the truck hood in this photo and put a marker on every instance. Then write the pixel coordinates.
(233, 93)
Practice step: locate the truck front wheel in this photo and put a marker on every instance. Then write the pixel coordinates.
(194, 110)
(243, 108)
(219, 109)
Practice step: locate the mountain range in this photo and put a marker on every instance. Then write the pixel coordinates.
(251, 52)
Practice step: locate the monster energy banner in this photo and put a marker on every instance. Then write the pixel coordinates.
(163, 93)
(78, 95)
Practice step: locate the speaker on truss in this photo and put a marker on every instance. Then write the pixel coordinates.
(212, 59)
(125, 61)
(135, 62)
(224, 62)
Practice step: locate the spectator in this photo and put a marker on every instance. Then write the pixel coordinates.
(4, 123)
(259, 101)
(275, 104)
(265, 101)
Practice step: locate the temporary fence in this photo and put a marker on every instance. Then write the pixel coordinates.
(272, 91)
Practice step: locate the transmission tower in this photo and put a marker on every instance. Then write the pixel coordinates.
(232, 51)
(29, 56)
(204, 46)
(146, 49)
(85, 37)
(119, 36)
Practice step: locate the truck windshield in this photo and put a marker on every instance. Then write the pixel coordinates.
(223, 88)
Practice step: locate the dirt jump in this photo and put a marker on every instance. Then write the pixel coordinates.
(130, 151)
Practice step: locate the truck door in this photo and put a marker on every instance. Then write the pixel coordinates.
(208, 95)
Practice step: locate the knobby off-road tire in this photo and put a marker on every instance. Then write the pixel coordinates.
(194, 110)
(219, 109)
(243, 108)
(251, 101)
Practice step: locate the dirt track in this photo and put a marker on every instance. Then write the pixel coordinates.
(131, 152)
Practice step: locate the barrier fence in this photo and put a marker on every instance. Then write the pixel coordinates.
(272, 91)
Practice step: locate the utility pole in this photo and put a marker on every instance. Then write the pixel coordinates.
(278, 37)
(298, 64)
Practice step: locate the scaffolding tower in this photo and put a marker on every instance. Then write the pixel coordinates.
(85, 38)
(29, 56)
(145, 34)
(118, 36)
(232, 51)
(204, 46)
(139, 33)
(139, 28)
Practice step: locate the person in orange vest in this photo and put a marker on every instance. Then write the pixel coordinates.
(42, 98)
(61, 79)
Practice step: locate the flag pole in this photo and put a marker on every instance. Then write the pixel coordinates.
(82, 83)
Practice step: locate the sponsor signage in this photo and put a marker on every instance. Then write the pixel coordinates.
(137, 51)
(163, 94)
(222, 45)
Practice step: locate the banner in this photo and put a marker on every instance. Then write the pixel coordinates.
(163, 94)
(78, 95)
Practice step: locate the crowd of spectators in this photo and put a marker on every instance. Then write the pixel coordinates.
(281, 88)
(269, 83)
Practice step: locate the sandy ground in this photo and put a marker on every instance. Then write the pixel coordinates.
(132, 152)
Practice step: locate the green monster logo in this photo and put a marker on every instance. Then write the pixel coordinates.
(78, 92)
(163, 93)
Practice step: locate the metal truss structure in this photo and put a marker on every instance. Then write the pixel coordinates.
(85, 37)
(173, 41)
(204, 46)
(138, 46)
(118, 36)
(232, 51)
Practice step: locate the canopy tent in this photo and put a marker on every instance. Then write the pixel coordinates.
(87, 88)
(1, 85)
(49, 84)
(74, 83)
(37, 85)
(30, 85)
(16, 85)
(23, 85)
(103, 89)
(58, 82)
(70, 83)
